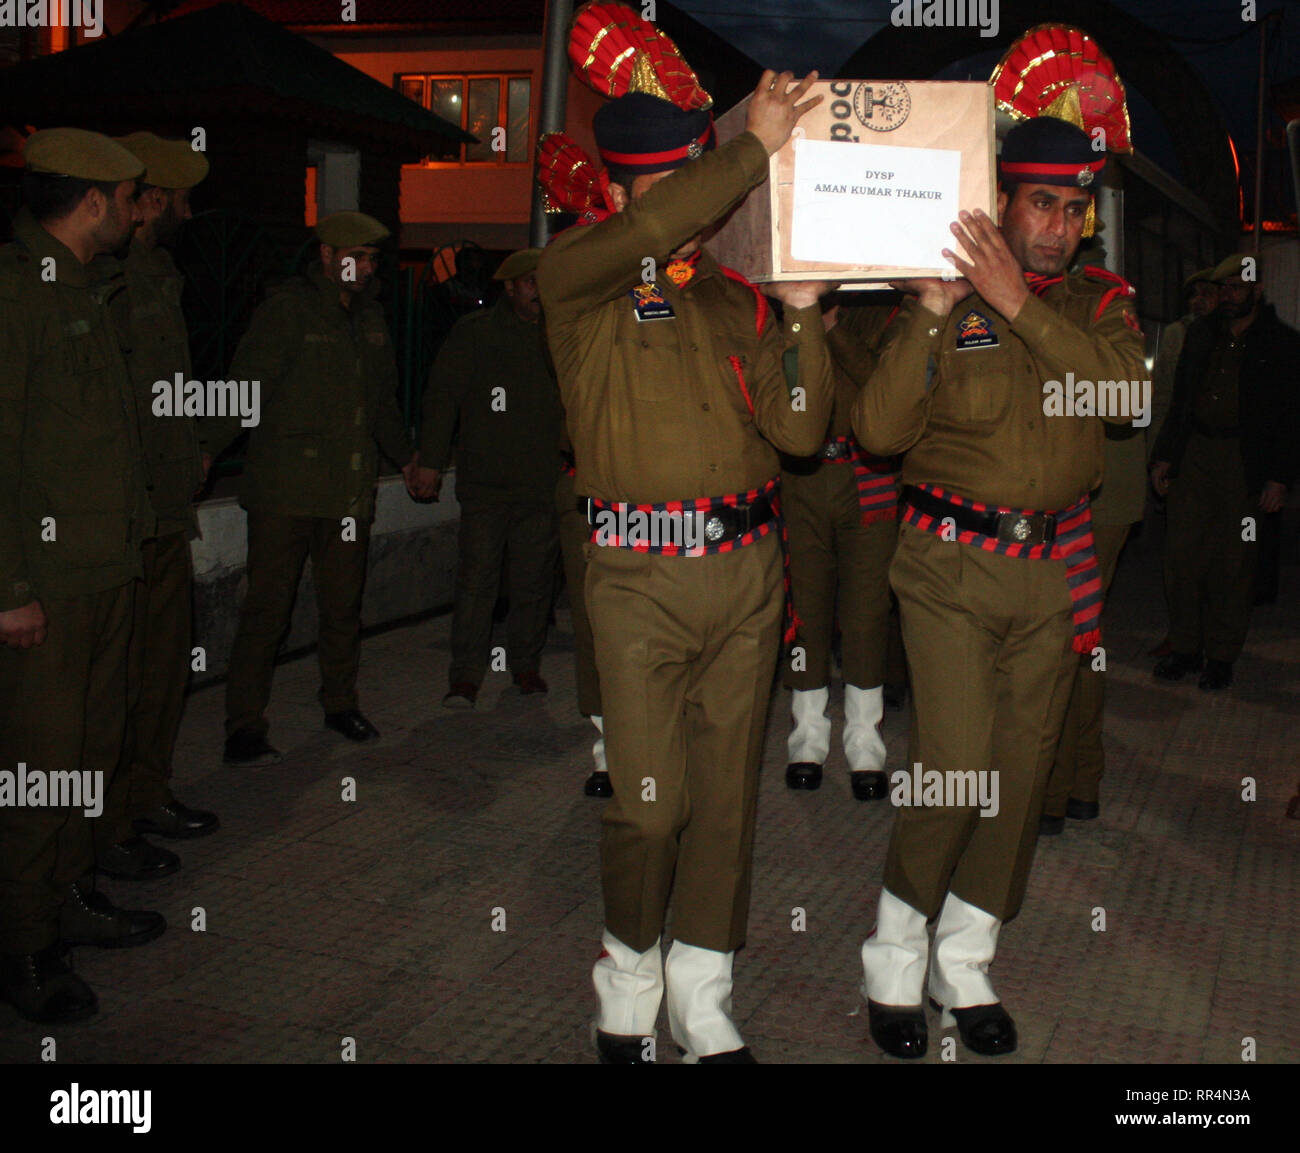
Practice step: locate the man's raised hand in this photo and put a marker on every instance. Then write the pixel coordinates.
(934, 293)
(774, 111)
(992, 268)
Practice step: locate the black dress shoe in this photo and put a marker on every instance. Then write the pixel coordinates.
(803, 775)
(869, 785)
(598, 785)
(177, 821)
(895, 697)
(985, 1029)
(1050, 826)
(741, 1056)
(248, 747)
(90, 918)
(1082, 810)
(613, 1049)
(352, 725)
(1217, 675)
(900, 1031)
(1177, 665)
(43, 987)
(136, 859)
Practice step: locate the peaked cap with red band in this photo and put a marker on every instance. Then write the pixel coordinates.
(660, 117)
(1057, 74)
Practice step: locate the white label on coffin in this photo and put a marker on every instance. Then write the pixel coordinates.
(873, 204)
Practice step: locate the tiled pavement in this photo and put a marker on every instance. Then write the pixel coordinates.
(372, 918)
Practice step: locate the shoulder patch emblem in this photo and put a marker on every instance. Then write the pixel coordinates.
(976, 331)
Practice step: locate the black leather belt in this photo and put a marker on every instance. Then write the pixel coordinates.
(720, 524)
(1215, 433)
(1010, 527)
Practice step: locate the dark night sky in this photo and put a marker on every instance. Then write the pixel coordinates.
(821, 34)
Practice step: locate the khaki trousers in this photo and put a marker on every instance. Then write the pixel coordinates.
(278, 546)
(1209, 569)
(987, 638)
(158, 670)
(839, 568)
(686, 648)
(490, 533)
(62, 709)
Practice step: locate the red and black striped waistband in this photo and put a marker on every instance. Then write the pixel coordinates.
(699, 527)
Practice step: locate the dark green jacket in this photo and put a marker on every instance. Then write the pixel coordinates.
(70, 456)
(158, 348)
(328, 390)
(492, 388)
(1266, 398)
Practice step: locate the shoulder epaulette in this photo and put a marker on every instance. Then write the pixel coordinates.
(760, 301)
(1119, 286)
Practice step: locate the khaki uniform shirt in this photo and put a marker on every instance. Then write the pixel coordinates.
(328, 402)
(491, 388)
(73, 505)
(158, 347)
(972, 419)
(655, 409)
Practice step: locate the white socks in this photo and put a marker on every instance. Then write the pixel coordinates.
(894, 956)
(699, 1001)
(630, 986)
(810, 739)
(965, 941)
(864, 747)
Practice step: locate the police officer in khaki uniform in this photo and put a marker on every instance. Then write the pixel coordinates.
(73, 513)
(840, 509)
(492, 393)
(670, 386)
(321, 350)
(158, 348)
(995, 574)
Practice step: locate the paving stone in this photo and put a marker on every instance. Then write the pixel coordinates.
(373, 918)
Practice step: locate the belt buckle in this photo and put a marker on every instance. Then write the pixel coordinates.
(832, 450)
(1022, 528)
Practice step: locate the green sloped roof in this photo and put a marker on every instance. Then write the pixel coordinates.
(227, 47)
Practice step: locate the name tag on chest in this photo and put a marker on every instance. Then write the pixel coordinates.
(976, 331)
(649, 304)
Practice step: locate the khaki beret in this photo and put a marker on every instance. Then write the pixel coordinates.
(1231, 266)
(350, 230)
(519, 263)
(1206, 274)
(167, 163)
(85, 155)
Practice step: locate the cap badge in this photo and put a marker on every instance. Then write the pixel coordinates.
(1085, 177)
